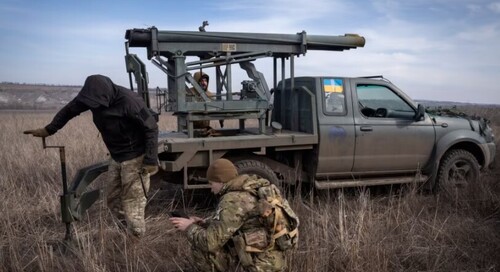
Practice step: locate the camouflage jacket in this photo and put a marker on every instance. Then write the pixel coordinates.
(193, 96)
(236, 212)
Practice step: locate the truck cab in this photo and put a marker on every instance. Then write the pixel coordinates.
(371, 133)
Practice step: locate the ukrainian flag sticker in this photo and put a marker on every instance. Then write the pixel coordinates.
(332, 85)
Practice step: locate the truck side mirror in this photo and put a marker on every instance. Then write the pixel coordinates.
(419, 116)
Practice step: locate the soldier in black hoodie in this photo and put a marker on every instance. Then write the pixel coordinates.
(130, 133)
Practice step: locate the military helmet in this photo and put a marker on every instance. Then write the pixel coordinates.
(222, 171)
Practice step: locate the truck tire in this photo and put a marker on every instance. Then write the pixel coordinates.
(255, 167)
(458, 169)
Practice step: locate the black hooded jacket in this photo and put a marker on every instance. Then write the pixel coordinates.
(127, 126)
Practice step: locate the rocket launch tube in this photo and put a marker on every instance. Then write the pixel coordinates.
(143, 38)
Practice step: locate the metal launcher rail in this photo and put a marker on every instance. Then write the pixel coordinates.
(220, 50)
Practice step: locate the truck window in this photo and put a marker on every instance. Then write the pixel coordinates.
(381, 102)
(333, 96)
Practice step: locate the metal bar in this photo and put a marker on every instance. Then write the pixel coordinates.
(66, 208)
(185, 177)
(197, 186)
(294, 97)
(275, 73)
(282, 94)
(292, 72)
(129, 73)
(137, 67)
(228, 58)
(62, 155)
(229, 88)
(333, 184)
(179, 82)
(62, 160)
(218, 83)
(163, 65)
(229, 96)
(231, 62)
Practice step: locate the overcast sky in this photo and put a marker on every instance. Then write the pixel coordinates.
(446, 50)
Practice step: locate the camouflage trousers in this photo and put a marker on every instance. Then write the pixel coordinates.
(272, 260)
(125, 193)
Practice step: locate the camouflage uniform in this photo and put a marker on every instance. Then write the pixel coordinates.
(236, 214)
(193, 96)
(126, 195)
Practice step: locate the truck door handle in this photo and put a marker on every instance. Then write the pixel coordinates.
(366, 128)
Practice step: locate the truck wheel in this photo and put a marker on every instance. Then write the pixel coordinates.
(458, 169)
(254, 167)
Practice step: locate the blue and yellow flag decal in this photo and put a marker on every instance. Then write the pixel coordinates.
(331, 85)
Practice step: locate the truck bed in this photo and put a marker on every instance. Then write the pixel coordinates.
(178, 142)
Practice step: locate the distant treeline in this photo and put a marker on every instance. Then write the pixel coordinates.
(37, 84)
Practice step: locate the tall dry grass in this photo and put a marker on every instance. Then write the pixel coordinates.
(375, 229)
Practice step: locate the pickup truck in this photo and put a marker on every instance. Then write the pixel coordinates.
(328, 131)
(342, 132)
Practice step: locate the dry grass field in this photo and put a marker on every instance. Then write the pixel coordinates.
(374, 229)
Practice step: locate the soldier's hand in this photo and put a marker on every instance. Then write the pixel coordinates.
(150, 169)
(181, 223)
(41, 132)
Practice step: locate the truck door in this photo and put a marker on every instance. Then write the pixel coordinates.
(336, 128)
(388, 139)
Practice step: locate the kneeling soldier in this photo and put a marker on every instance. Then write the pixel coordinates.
(253, 226)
